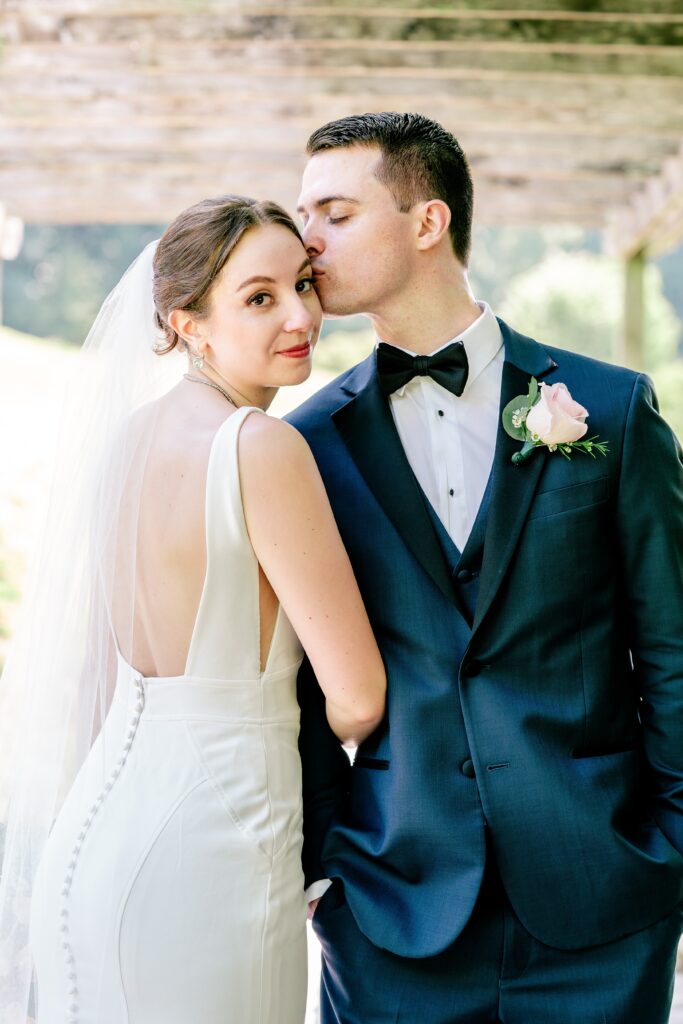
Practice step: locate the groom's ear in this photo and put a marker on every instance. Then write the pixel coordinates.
(188, 328)
(433, 220)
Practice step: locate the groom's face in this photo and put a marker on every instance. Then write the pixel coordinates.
(360, 245)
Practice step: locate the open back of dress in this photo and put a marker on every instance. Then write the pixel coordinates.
(171, 887)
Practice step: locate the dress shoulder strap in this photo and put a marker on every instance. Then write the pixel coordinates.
(225, 640)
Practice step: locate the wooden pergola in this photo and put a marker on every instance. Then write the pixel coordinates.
(569, 110)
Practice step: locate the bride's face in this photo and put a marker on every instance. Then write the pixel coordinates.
(264, 316)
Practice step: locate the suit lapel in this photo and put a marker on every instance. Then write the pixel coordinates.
(512, 486)
(367, 428)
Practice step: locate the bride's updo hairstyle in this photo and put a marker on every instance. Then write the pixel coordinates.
(194, 249)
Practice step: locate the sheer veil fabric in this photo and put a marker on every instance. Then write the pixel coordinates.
(57, 684)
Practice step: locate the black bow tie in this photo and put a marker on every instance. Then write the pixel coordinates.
(449, 367)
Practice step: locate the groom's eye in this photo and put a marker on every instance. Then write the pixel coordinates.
(337, 220)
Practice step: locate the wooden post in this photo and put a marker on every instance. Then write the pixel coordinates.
(632, 347)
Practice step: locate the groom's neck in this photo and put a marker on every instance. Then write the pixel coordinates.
(428, 313)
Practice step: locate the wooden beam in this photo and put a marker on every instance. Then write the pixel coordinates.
(654, 220)
(233, 166)
(155, 195)
(466, 8)
(557, 98)
(621, 60)
(248, 23)
(502, 112)
(554, 156)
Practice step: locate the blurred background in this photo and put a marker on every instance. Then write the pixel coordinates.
(115, 116)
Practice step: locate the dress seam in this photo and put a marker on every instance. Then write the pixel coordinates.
(243, 829)
(138, 867)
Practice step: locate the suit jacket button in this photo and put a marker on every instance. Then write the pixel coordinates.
(465, 575)
(472, 668)
(467, 768)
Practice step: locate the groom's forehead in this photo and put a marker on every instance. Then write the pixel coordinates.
(343, 173)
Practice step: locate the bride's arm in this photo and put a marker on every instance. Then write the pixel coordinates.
(297, 543)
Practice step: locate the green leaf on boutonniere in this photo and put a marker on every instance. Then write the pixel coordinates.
(514, 416)
(533, 391)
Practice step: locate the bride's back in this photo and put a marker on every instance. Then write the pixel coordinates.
(154, 629)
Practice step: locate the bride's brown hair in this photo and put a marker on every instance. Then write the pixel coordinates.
(194, 249)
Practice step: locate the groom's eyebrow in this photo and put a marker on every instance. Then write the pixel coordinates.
(326, 200)
(269, 280)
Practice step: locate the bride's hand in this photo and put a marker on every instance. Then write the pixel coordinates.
(312, 906)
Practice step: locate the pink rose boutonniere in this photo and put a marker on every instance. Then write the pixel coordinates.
(548, 417)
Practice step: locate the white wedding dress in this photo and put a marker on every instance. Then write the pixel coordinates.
(171, 889)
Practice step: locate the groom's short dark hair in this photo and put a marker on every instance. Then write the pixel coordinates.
(420, 160)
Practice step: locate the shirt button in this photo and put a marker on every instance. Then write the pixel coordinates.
(451, 492)
(467, 768)
(440, 412)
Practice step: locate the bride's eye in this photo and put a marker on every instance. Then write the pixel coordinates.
(304, 285)
(259, 299)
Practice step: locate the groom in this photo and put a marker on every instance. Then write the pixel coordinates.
(508, 845)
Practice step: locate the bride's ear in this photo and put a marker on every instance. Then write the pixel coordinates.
(188, 328)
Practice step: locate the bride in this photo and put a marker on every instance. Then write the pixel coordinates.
(151, 868)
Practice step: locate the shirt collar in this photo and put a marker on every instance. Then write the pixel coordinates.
(482, 340)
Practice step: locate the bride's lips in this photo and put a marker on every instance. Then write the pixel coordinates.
(298, 352)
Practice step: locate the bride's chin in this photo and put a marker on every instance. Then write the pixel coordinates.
(297, 374)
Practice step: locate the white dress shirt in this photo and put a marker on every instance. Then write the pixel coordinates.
(450, 441)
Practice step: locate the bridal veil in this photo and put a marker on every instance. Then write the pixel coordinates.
(56, 686)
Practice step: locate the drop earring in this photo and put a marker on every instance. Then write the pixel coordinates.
(198, 361)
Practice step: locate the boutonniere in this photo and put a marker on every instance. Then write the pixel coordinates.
(548, 417)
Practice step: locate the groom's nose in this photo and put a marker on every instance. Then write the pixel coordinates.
(313, 240)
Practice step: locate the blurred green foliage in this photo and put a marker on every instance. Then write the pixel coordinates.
(668, 381)
(337, 349)
(63, 274)
(575, 301)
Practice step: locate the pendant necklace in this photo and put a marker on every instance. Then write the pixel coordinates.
(210, 384)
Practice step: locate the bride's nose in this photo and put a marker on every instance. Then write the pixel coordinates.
(299, 319)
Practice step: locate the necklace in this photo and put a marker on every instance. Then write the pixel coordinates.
(210, 384)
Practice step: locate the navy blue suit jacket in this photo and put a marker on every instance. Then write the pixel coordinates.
(565, 693)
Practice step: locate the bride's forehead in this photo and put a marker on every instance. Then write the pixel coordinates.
(269, 249)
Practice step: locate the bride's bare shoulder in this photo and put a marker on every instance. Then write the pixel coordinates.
(273, 455)
(268, 439)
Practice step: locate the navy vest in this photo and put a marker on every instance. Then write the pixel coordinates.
(464, 566)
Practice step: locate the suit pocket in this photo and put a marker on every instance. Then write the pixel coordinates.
(580, 753)
(379, 764)
(570, 499)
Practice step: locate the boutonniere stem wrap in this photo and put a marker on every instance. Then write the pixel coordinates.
(548, 417)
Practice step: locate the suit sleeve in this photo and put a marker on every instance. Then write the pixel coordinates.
(326, 773)
(650, 518)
